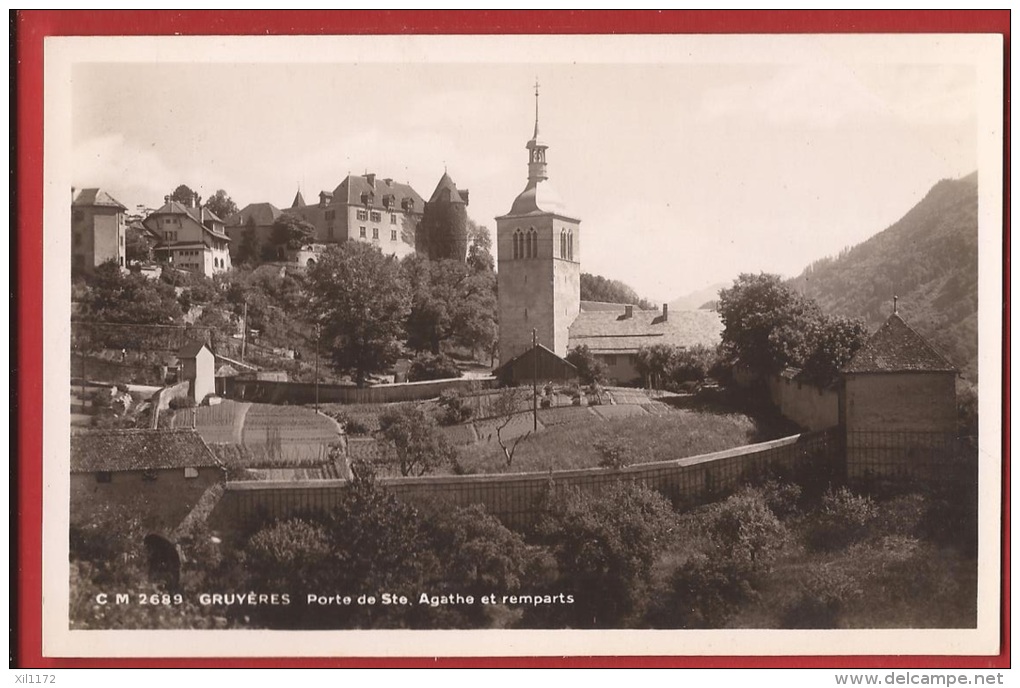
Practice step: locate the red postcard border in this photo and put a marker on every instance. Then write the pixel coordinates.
(30, 28)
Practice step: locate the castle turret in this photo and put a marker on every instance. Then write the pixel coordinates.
(443, 229)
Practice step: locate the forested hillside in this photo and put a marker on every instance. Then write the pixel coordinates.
(929, 258)
(599, 288)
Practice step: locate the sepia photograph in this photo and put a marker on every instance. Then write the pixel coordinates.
(357, 346)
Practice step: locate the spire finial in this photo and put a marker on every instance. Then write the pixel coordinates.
(894, 300)
(536, 107)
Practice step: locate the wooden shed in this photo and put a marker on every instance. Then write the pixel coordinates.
(539, 362)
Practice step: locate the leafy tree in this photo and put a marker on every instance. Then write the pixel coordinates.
(451, 303)
(590, 370)
(112, 296)
(505, 407)
(292, 232)
(598, 288)
(605, 545)
(766, 324)
(221, 204)
(359, 297)
(250, 249)
(183, 194)
(426, 366)
(418, 444)
(137, 246)
(655, 364)
(833, 341)
(479, 255)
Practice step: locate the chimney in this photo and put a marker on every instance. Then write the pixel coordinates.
(389, 182)
(371, 179)
(665, 311)
(628, 312)
(73, 190)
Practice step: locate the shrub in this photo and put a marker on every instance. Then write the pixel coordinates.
(351, 425)
(181, 403)
(454, 408)
(590, 370)
(825, 592)
(842, 518)
(426, 366)
(418, 445)
(614, 453)
(704, 592)
(747, 532)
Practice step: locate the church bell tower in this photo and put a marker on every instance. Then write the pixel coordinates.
(539, 252)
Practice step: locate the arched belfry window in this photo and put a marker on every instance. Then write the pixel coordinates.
(518, 245)
(532, 243)
(570, 246)
(563, 243)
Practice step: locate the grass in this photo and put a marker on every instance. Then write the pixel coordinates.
(568, 445)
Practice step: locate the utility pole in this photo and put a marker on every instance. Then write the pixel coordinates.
(244, 329)
(318, 333)
(534, 376)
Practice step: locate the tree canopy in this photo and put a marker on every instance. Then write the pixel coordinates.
(358, 297)
(183, 194)
(768, 326)
(221, 204)
(111, 296)
(450, 302)
(292, 232)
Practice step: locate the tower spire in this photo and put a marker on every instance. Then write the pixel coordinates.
(536, 109)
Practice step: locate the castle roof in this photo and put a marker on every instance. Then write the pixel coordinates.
(896, 348)
(612, 331)
(96, 197)
(299, 200)
(446, 192)
(138, 449)
(260, 213)
(369, 191)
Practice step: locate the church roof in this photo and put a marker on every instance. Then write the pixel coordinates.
(897, 348)
(446, 191)
(611, 331)
(96, 197)
(260, 214)
(539, 198)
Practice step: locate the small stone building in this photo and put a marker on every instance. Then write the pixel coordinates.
(898, 406)
(157, 475)
(198, 367)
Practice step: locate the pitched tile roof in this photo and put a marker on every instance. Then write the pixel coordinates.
(199, 215)
(94, 197)
(259, 213)
(191, 349)
(130, 450)
(351, 189)
(446, 191)
(605, 331)
(895, 348)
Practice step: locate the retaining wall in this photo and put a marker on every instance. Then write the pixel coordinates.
(517, 498)
(272, 392)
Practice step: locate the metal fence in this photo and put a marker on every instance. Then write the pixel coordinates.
(909, 456)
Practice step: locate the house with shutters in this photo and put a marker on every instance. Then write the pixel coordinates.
(189, 237)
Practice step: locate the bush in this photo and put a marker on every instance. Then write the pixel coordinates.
(351, 425)
(590, 370)
(426, 366)
(747, 532)
(843, 518)
(704, 592)
(826, 590)
(615, 453)
(454, 408)
(418, 445)
(181, 403)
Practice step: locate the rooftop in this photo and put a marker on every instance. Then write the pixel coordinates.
(895, 348)
(611, 331)
(138, 449)
(96, 197)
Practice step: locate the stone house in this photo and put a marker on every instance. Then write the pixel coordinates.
(190, 237)
(157, 475)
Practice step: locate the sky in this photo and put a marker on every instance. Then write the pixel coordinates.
(685, 171)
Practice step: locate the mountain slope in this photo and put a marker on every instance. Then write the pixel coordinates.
(929, 258)
(698, 299)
